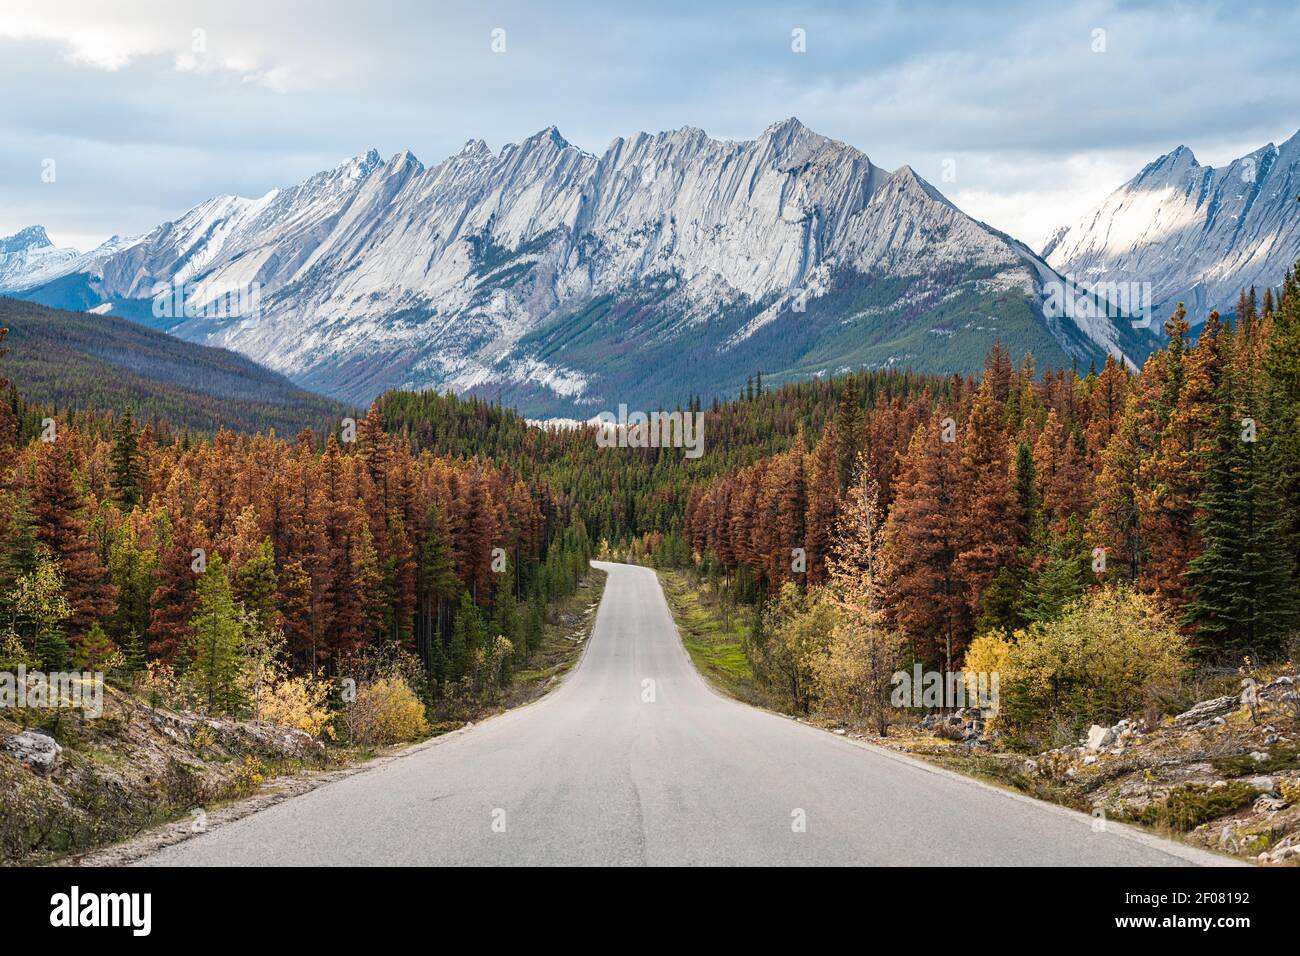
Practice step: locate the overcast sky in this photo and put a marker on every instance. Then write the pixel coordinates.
(147, 109)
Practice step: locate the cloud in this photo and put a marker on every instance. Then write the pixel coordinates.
(150, 114)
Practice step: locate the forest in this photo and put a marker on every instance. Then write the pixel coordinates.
(1093, 538)
(1025, 521)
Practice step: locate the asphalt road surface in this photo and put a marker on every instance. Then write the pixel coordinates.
(634, 759)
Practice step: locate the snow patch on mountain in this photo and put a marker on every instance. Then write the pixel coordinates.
(378, 274)
(1198, 234)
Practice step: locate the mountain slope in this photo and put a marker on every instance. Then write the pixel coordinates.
(29, 258)
(77, 360)
(672, 264)
(1197, 234)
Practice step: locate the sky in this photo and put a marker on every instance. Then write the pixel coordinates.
(117, 117)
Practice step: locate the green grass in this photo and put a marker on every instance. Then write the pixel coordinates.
(1187, 807)
(713, 638)
(1241, 765)
(566, 621)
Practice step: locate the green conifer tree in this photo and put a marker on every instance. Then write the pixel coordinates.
(126, 476)
(217, 641)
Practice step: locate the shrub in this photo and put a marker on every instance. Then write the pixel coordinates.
(853, 676)
(795, 632)
(161, 686)
(1096, 664)
(987, 654)
(1239, 765)
(387, 712)
(1189, 806)
(300, 702)
(247, 776)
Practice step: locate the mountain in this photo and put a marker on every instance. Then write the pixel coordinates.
(29, 258)
(1197, 234)
(673, 264)
(77, 360)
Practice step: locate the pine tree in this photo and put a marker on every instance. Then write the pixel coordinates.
(435, 583)
(823, 500)
(848, 435)
(58, 512)
(1059, 579)
(217, 641)
(295, 605)
(93, 649)
(1243, 600)
(924, 530)
(1062, 475)
(1185, 415)
(127, 475)
(175, 599)
(1025, 489)
(466, 638)
(988, 533)
(1283, 361)
(505, 613)
(1105, 406)
(134, 652)
(1281, 385)
(256, 585)
(18, 543)
(535, 622)
(133, 571)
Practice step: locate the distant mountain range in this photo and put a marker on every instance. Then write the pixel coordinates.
(671, 265)
(1197, 234)
(103, 363)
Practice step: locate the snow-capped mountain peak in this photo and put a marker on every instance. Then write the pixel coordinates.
(1196, 234)
(29, 257)
(571, 279)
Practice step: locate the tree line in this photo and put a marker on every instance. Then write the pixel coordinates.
(120, 543)
(1004, 500)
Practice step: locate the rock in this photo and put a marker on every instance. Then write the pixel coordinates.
(1267, 804)
(1031, 766)
(1090, 759)
(840, 731)
(37, 751)
(1206, 709)
(1281, 855)
(1264, 784)
(1271, 739)
(1099, 737)
(1259, 757)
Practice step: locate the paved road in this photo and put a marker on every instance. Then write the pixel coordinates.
(594, 774)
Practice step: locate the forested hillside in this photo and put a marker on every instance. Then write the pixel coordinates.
(1092, 538)
(100, 363)
(621, 495)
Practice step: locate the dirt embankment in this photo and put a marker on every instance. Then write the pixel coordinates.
(1224, 774)
(74, 782)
